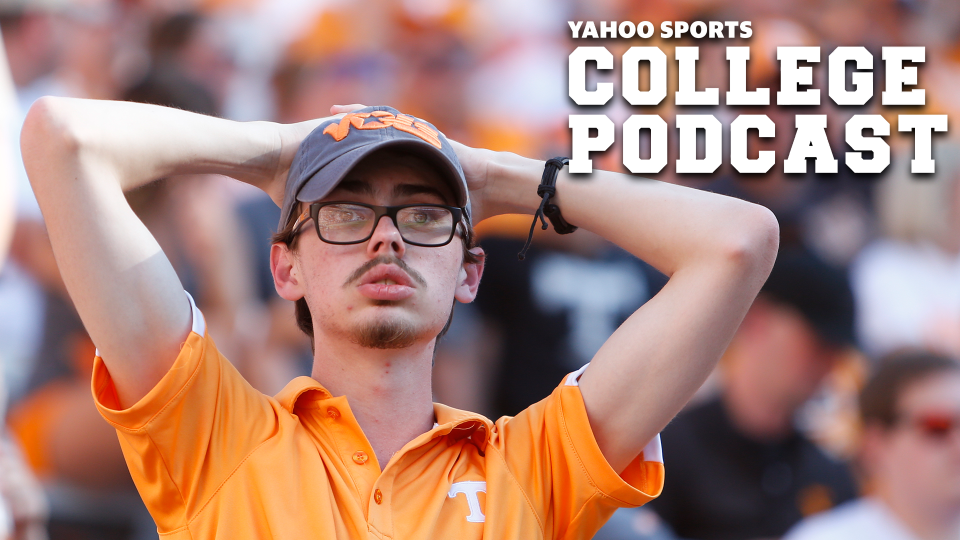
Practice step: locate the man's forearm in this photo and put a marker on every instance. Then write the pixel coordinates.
(146, 142)
(666, 225)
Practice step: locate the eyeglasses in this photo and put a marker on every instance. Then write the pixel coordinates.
(340, 222)
(934, 426)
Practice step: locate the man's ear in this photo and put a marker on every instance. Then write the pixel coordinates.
(286, 274)
(469, 279)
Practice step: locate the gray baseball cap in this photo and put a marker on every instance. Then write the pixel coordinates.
(330, 151)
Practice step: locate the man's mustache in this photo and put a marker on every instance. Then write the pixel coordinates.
(383, 259)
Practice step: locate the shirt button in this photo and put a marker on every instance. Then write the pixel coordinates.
(333, 413)
(360, 458)
(378, 496)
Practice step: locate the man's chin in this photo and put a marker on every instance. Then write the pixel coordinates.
(392, 334)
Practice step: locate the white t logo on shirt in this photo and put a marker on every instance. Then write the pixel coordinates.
(470, 489)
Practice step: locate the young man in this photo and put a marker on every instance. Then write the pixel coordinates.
(910, 455)
(745, 438)
(359, 450)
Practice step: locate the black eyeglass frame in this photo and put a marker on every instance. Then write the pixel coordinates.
(378, 212)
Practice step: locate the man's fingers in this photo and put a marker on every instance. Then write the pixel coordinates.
(339, 109)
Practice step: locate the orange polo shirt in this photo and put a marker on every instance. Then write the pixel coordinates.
(214, 458)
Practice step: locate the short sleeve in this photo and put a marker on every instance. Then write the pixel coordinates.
(184, 438)
(551, 450)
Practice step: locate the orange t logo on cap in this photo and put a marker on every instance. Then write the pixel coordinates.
(382, 120)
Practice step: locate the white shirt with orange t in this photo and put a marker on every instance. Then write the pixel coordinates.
(214, 458)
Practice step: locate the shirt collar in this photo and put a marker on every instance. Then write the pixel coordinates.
(459, 425)
(305, 392)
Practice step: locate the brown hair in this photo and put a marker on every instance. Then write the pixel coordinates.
(895, 373)
(302, 310)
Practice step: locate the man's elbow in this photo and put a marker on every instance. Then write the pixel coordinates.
(47, 137)
(753, 248)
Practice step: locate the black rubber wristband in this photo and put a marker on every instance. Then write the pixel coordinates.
(548, 210)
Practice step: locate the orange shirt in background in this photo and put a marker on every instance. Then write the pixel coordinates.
(214, 458)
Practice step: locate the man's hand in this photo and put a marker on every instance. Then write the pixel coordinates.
(474, 162)
(290, 136)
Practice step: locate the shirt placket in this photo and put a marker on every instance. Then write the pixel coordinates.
(379, 505)
(353, 448)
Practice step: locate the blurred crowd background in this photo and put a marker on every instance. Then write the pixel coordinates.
(839, 390)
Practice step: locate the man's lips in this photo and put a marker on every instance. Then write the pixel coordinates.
(386, 282)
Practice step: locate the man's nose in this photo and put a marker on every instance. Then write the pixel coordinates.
(386, 239)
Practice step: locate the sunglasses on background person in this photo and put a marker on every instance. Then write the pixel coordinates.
(934, 426)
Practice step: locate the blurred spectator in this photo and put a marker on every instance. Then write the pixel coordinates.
(433, 76)
(89, 49)
(34, 51)
(187, 56)
(911, 456)
(739, 468)
(907, 283)
(8, 115)
(306, 89)
(23, 508)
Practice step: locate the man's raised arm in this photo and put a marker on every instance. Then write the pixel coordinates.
(716, 250)
(81, 156)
